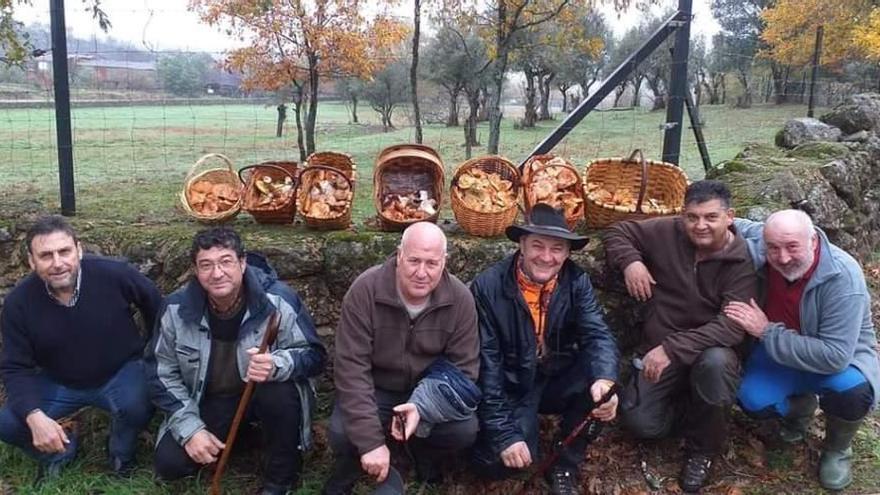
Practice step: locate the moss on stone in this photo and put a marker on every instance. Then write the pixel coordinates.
(819, 151)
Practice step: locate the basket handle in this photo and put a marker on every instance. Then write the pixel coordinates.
(203, 160)
(266, 165)
(644, 185)
(331, 169)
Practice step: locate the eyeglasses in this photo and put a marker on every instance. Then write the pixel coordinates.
(225, 265)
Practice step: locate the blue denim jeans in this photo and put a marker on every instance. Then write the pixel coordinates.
(125, 396)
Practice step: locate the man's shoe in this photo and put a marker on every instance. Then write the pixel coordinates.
(695, 472)
(835, 465)
(562, 481)
(272, 489)
(122, 469)
(393, 484)
(801, 409)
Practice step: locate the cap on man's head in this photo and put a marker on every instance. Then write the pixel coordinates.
(547, 221)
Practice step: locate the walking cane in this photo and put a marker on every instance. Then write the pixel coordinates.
(587, 423)
(268, 339)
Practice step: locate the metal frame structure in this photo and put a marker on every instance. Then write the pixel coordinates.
(679, 23)
(62, 107)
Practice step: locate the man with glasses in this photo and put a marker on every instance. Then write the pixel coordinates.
(397, 320)
(686, 269)
(69, 341)
(206, 348)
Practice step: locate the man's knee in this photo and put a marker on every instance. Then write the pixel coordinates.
(170, 461)
(850, 405)
(278, 401)
(11, 427)
(454, 435)
(135, 410)
(715, 376)
(336, 436)
(646, 423)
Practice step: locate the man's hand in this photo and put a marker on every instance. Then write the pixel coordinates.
(376, 463)
(411, 417)
(203, 447)
(48, 436)
(750, 317)
(638, 281)
(517, 456)
(260, 366)
(655, 362)
(607, 411)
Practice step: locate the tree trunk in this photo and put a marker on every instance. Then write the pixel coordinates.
(637, 89)
(297, 111)
(312, 114)
(723, 89)
(354, 109)
(414, 68)
(470, 132)
(483, 98)
(563, 90)
(502, 52)
(618, 93)
(282, 116)
(744, 101)
(531, 115)
(452, 119)
(656, 86)
(545, 96)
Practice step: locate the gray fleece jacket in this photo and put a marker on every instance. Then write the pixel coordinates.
(836, 328)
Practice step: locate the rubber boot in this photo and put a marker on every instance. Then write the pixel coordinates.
(835, 465)
(801, 409)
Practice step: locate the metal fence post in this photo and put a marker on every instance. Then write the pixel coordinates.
(677, 86)
(62, 107)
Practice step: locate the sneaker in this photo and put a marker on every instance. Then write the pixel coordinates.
(562, 482)
(695, 473)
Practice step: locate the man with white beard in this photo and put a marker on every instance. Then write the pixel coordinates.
(815, 338)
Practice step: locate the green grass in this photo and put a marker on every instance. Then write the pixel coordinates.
(130, 161)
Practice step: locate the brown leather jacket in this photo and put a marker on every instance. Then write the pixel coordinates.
(378, 346)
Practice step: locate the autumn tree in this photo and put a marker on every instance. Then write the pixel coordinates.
(581, 64)
(15, 45)
(352, 90)
(414, 68)
(449, 64)
(296, 42)
(867, 35)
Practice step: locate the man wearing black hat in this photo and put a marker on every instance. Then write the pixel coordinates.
(686, 269)
(545, 348)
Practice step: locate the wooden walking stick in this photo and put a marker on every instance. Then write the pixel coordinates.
(268, 340)
(585, 424)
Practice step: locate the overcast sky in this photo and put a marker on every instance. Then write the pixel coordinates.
(168, 25)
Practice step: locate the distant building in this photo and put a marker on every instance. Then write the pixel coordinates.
(98, 73)
(221, 83)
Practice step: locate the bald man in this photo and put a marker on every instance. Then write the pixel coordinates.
(397, 320)
(815, 338)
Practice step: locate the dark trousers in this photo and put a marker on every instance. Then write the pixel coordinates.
(444, 437)
(124, 396)
(275, 404)
(566, 395)
(697, 398)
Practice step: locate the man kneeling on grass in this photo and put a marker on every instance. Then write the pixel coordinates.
(69, 341)
(207, 347)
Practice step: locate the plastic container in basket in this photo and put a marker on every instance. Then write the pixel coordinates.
(574, 210)
(657, 188)
(195, 188)
(485, 223)
(406, 169)
(279, 173)
(311, 178)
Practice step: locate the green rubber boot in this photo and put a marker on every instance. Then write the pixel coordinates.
(835, 471)
(801, 409)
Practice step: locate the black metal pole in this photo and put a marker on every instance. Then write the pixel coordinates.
(617, 77)
(817, 53)
(677, 85)
(62, 107)
(697, 126)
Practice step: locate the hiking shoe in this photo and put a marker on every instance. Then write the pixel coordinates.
(695, 473)
(562, 482)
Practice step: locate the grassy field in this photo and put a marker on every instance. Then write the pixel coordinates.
(130, 164)
(130, 161)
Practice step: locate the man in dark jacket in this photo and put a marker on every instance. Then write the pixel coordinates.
(69, 341)
(545, 348)
(686, 268)
(206, 348)
(398, 319)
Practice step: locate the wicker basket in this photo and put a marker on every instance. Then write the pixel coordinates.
(406, 169)
(278, 171)
(202, 170)
(485, 224)
(661, 181)
(307, 179)
(572, 218)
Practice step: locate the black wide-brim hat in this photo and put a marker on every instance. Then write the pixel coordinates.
(548, 221)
